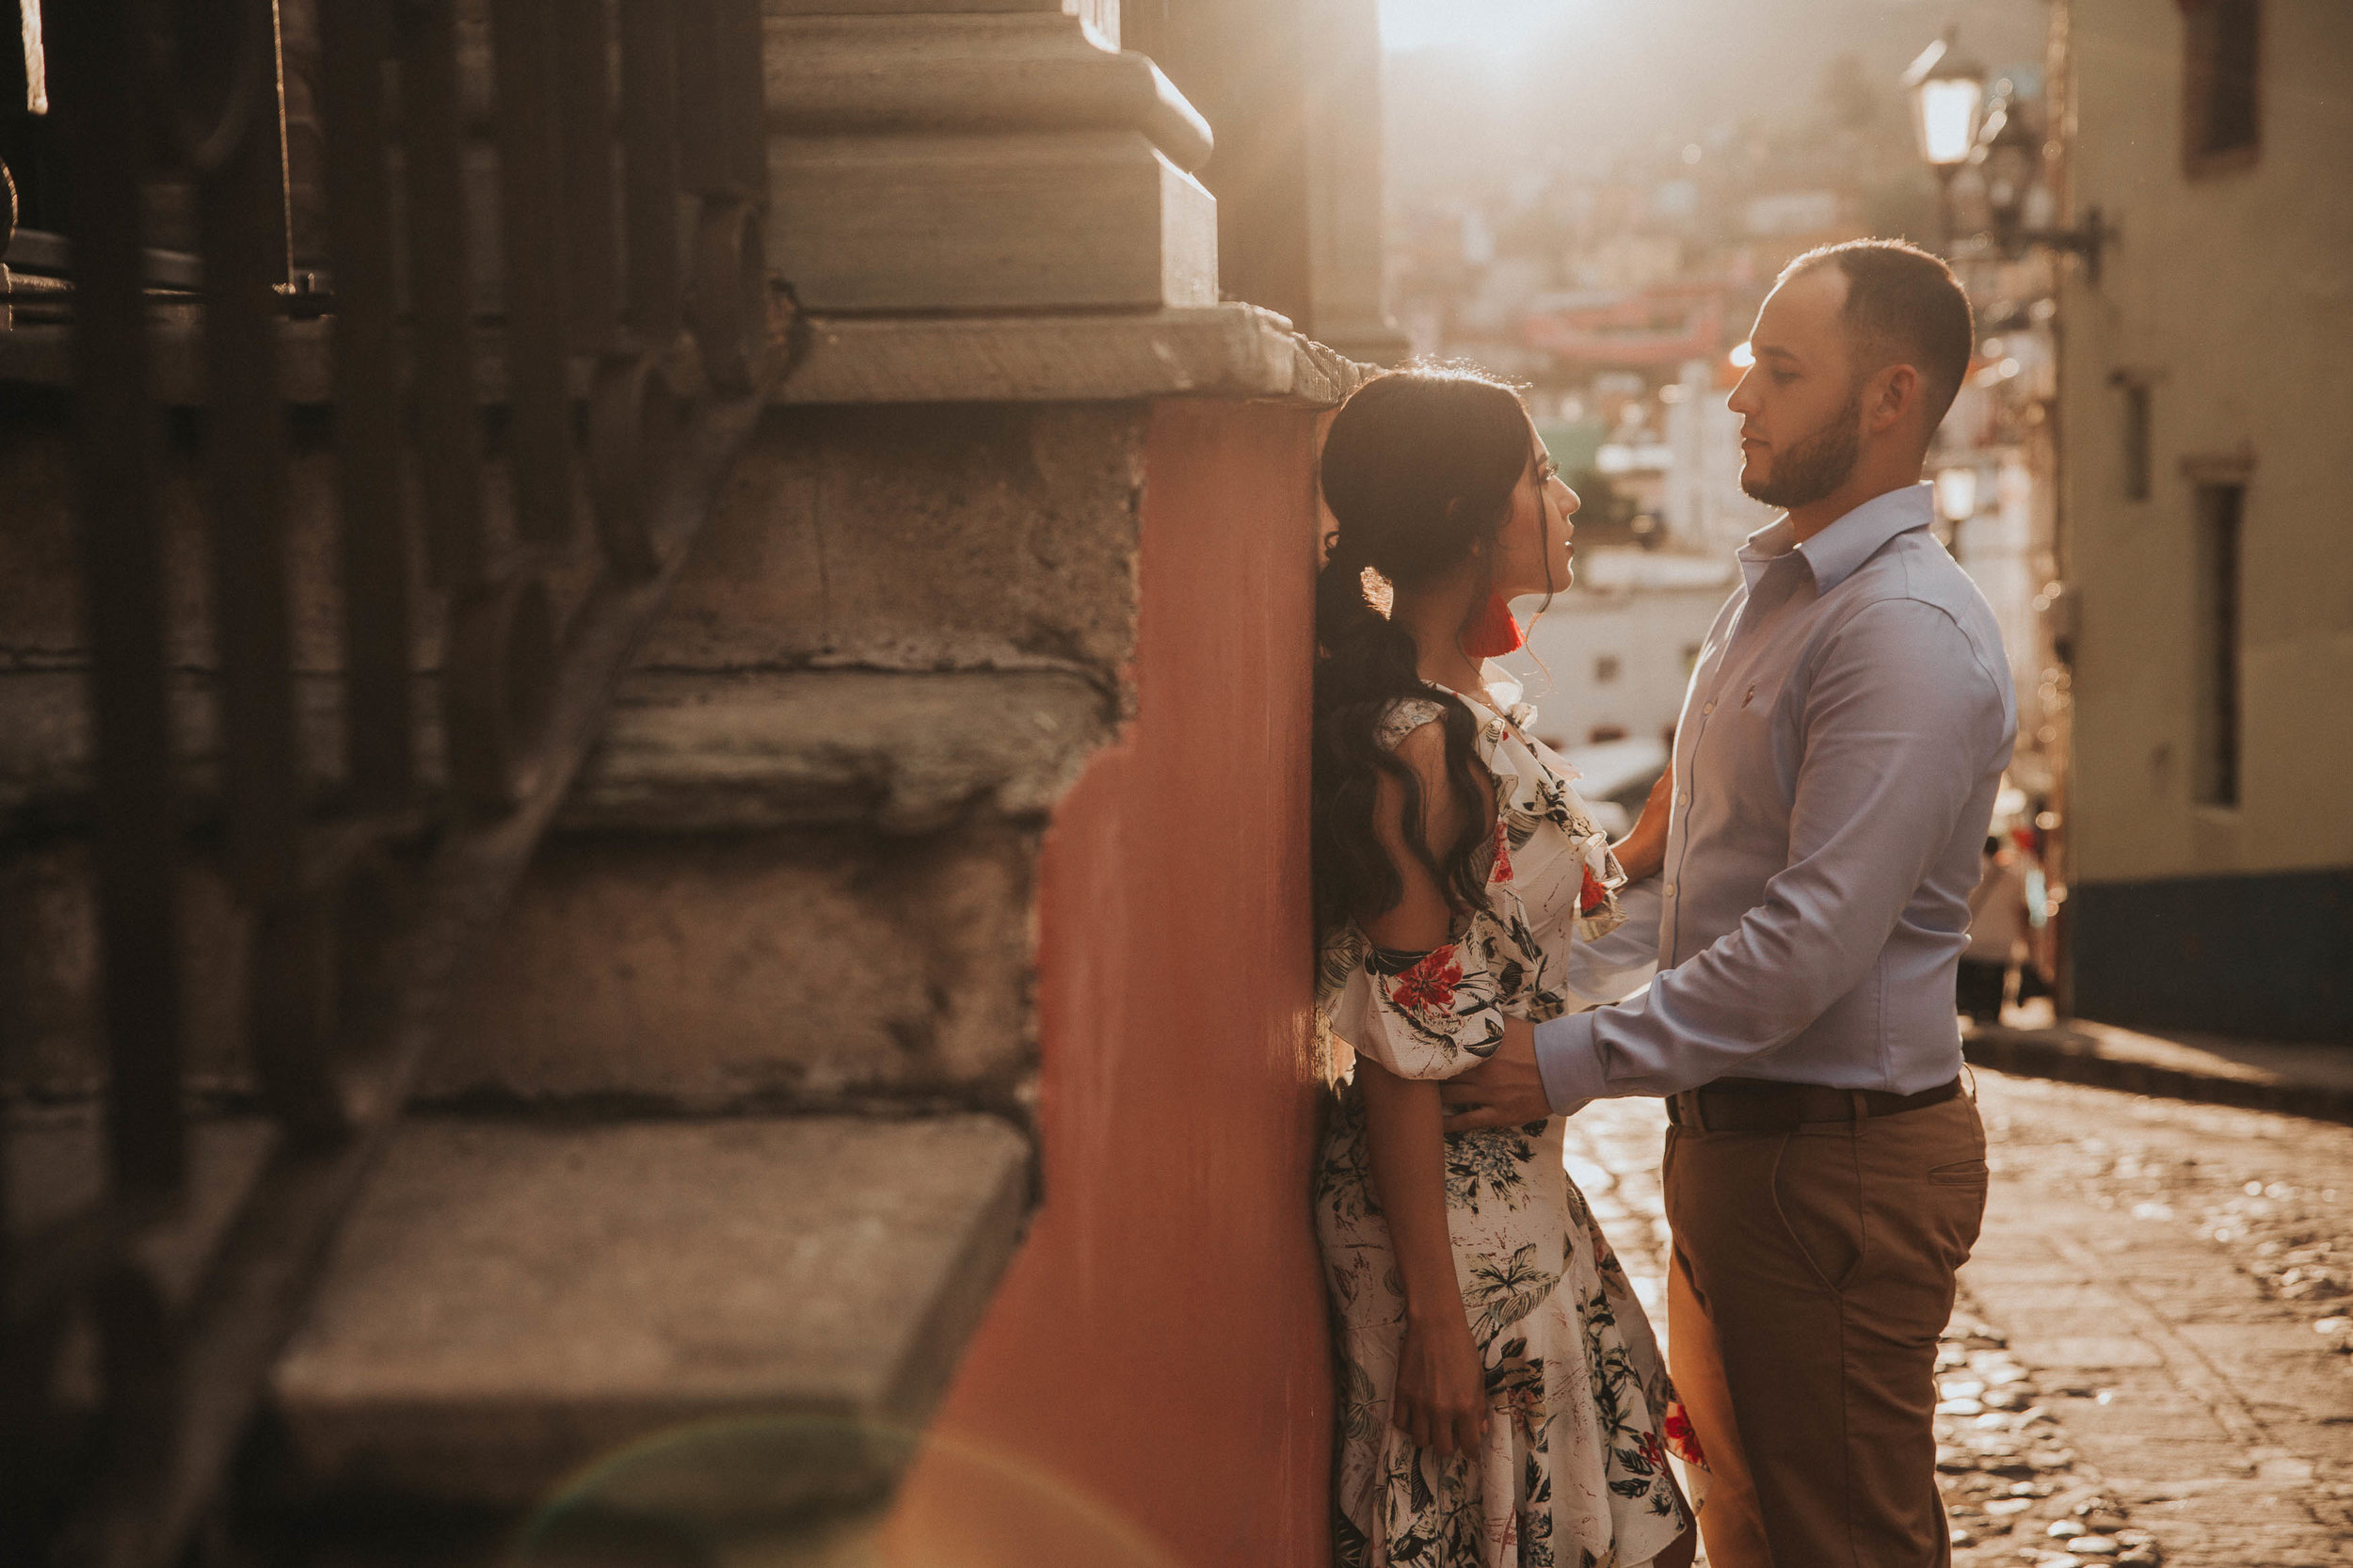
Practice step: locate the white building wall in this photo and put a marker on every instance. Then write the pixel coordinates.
(1652, 636)
(1706, 511)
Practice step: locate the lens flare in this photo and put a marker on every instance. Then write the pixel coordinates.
(822, 1492)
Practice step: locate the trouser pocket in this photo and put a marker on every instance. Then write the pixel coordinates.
(1818, 1194)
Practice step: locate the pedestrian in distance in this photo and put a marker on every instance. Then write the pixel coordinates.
(1502, 1400)
(1836, 765)
(1997, 935)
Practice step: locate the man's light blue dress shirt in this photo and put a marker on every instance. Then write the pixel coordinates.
(1835, 765)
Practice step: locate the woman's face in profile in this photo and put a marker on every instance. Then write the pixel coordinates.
(1532, 548)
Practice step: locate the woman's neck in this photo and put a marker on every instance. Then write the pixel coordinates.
(1435, 617)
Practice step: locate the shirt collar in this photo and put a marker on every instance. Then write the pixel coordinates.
(1833, 553)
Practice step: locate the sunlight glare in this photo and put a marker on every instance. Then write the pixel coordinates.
(1743, 357)
(1497, 26)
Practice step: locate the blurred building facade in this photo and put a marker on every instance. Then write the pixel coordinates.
(2204, 396)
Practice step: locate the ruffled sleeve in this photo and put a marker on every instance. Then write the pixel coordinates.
(1420, 1014)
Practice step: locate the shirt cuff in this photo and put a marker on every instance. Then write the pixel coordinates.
(1569, 1062)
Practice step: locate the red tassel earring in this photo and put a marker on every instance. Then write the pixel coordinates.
(1494, 633)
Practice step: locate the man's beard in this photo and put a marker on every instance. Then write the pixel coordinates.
(1817, 465)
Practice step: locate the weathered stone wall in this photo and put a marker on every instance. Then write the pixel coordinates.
(799, 871)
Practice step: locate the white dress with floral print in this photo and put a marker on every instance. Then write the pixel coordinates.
(1572, 1471)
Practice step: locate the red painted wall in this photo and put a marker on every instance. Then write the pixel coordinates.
(1152, 1382)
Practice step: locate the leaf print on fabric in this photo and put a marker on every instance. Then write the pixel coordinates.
(1489, 1163)
(1504, 1292)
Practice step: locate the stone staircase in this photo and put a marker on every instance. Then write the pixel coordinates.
(714, 1177)
(701, 1199)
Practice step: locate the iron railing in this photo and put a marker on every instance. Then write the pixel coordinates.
(637, 339)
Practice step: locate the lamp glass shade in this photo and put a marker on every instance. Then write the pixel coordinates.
(1945, 111)
(1957, 494)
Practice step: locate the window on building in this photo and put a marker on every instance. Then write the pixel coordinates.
(1606, 667)
(2135, 440)
(2218, 581)
(1601, 734)
(2221, 70)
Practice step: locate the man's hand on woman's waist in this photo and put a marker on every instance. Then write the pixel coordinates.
(1505, 1090)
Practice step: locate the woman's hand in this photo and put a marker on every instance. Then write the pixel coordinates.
(1644, 851)
(1441, 1400)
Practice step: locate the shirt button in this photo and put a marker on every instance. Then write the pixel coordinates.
(1707, 708)
(1669, 890)
(1683, 797)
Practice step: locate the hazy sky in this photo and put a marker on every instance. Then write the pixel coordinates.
(1480, 81)
(1501, 25)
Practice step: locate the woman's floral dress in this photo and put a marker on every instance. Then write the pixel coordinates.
(1573, 1472)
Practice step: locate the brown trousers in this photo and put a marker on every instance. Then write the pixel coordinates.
(1814, 1272)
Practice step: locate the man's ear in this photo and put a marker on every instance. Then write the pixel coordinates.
(1893, 394)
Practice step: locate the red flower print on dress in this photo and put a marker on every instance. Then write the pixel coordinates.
(1503, 854)
(1429, 983)
(1591, 895)
(1681, 1438)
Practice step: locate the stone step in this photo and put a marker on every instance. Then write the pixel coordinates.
(731, 1318)
(685, 751)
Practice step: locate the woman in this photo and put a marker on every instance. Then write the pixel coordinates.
(1502, 1400)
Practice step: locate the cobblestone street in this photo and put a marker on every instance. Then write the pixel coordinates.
(2150, 1362)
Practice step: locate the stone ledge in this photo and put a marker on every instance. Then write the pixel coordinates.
(1230, 350)
(511, 1300)
(1038, 69)
(906, 752)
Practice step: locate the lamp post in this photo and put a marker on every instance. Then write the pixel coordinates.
(2010, 149)
(1947, 97)
(1954, 124)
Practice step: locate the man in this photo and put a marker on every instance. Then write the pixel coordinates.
(1835, 766)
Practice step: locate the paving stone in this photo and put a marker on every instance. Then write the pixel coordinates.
(2137, 1256)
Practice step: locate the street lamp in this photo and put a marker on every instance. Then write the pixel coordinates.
(2011, 153)
(1947, 95)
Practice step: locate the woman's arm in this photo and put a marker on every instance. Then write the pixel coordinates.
(1441, 1398)
(1643, 850)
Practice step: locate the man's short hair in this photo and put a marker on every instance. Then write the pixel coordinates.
(1903, 305)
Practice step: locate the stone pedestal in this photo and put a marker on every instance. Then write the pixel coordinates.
(937, 157)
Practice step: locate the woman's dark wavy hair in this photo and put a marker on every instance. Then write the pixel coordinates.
(1419, 466)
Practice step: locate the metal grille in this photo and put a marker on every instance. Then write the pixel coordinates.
(637, 337)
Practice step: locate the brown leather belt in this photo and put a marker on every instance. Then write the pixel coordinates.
(1759, 1105)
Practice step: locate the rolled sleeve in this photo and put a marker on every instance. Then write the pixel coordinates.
(1898, 727)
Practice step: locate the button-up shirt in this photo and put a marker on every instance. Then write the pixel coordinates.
(1841, 742)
